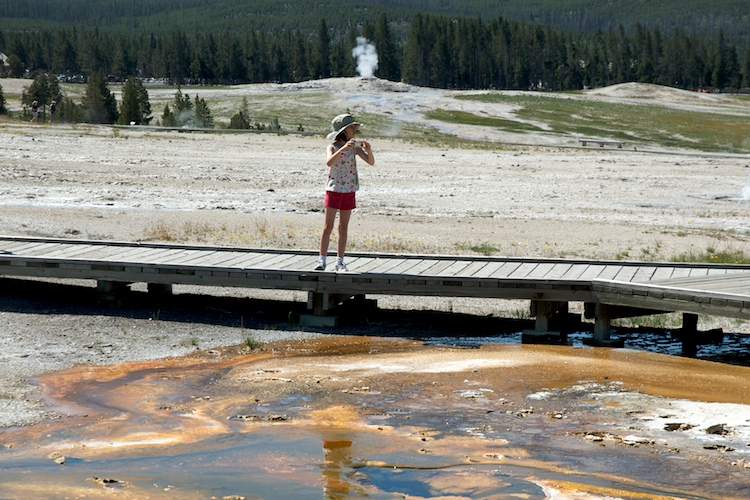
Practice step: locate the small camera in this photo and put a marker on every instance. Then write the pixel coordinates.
(359, 144)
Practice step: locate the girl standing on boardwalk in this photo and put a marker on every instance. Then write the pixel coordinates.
(343, 183)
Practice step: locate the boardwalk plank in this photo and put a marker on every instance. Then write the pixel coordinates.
(249, 260)
(191, 256)
(386, 265)
(662, 273)
(523, 270)
(236, 258)
(28, 247)
(406, 266)
(102, 252)
(15, 246)
(455, 268)
(680, 272)
(44, 250)
(594, 271)
(472, 269)
(365, 265)
(127, 254)
(155, 256)
(558, 271)
(68, 251)
(716, 271)
(609, 272)
(490, 268)
(438, 267)
(272, 263)
(506, 269)
(700, 271)
(300, 262)
(541, 270)
(644, 273)
(420, 266)
(576, 271)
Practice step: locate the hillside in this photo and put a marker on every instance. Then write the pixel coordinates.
(705, 18)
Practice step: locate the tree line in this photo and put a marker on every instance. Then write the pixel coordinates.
(437, 51)
(149, 16)
(98, 104)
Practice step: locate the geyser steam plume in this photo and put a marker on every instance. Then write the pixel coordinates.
(366, 56)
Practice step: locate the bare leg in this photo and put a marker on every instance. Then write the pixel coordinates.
(344, 217)
(325, 237)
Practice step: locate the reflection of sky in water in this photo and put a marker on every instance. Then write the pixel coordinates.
(734, 349)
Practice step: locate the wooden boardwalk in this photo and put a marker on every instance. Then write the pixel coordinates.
(549, 283)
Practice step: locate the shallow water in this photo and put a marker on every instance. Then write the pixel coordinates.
(728, 347)
(355, 417)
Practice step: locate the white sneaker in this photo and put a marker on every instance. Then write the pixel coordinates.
(320, 265)
(341, 267)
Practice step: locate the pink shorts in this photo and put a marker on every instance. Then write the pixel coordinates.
(340, 201)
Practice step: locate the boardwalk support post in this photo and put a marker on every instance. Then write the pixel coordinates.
(603, 326)
(322, 302)
(689, 335)
(545, 311)
(159, 289)
(319, 304)
(112, 293)
(602, 322)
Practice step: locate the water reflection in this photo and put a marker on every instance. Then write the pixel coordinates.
(337, 467)
(365, 418)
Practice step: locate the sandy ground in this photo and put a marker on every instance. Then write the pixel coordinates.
(543, 200)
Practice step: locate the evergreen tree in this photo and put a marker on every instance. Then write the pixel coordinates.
(177, 57)
(341, 58)
(183, 107)
(64, 58)
(725, 64)
(135, 107)
(388, 56)
(644, 72)
(299, 59)
(94, 51)
(231, 60)
(38, 91)
(322, 53)
(3, 109)
(202, 115)
(123, 63)
(16, 67)
(241, 120)
(99, 104)
(167, 118)
(415, 68)
(44, 90)
(278, 63)
(68, 111)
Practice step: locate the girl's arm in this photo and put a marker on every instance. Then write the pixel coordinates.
(365, 152)
(332, 154)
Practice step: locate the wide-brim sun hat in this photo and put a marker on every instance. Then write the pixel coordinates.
(338, 125)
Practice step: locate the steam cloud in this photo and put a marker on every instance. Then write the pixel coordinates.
(366, 56)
